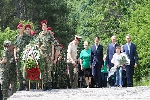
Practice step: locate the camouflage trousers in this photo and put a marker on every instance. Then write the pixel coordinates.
(47, 75)
(19, 74)
(13, 77)
(9, 76)
(5, 83)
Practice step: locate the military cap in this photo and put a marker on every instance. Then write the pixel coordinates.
(20, 25)
(52, 33)
(57, 39)
(61, 46)
(28, 26)
(49, 28)
(78, 37)
(7, 43)
(44, 21)
(33, 32)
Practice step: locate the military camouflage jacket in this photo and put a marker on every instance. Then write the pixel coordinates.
(45, 42)
(6, 56)
(56, 45)
(21, 42)
(30, 37)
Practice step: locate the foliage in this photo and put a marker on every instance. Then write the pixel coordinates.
(7, 34)
(30, 63)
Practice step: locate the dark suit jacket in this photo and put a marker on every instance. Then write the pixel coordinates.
(111, 50)
(97, 55)
(133, 56)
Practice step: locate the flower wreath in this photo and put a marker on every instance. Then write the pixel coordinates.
(31, 55)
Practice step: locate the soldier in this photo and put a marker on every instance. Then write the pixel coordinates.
(46, 45)
(60, 53)
(29, 33)
(56, 43)
(21, 40)
(58, 48)
(62, 80)
(5, 62)
(72, 59)
(12, 70)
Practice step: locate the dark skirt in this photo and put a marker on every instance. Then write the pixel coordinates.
(87, 72)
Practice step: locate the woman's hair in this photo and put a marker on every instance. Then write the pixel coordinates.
(85, 43)
(118, 47)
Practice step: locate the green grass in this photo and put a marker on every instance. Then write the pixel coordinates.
(143, 82)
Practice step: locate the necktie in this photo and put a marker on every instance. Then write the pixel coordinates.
(128, 48)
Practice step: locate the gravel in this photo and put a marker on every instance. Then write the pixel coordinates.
(112, 93)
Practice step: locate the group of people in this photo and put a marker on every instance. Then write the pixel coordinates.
(96, 67)
(10, 70)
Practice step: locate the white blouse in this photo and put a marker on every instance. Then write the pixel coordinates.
(117, 57)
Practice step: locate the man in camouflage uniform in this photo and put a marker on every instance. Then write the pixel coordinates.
(12, 70)
(56, 43)
(5, 62)
(58, 68)
(30, 38)
(21, 40)
(57, 49)
(62, 78)
(46, 45)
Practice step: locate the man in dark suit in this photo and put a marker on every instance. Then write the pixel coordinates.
(97, 61)
(111, 50)
(130, 49)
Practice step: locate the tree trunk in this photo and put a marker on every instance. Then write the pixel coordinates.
(17, 9)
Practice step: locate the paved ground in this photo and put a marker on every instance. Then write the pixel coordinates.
(113, 93)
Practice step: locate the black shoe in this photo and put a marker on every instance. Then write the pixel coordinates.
(47, 86)
(1, 95)
(21, 87)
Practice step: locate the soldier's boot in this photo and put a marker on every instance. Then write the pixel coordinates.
(1, 94)
(47, 86)
(26, 87)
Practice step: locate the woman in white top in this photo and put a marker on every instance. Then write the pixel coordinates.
(119, 67)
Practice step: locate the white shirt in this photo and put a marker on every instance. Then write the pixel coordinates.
(96, 45)
(116, 58)
(114, 44)
(129, 44)
(72, 50)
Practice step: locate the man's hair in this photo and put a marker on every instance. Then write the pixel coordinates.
(128, 35)
(113, 36)
(97, 37)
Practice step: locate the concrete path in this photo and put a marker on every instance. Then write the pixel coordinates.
(113, 93)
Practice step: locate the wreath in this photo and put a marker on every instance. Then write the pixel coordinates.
(30, 57)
